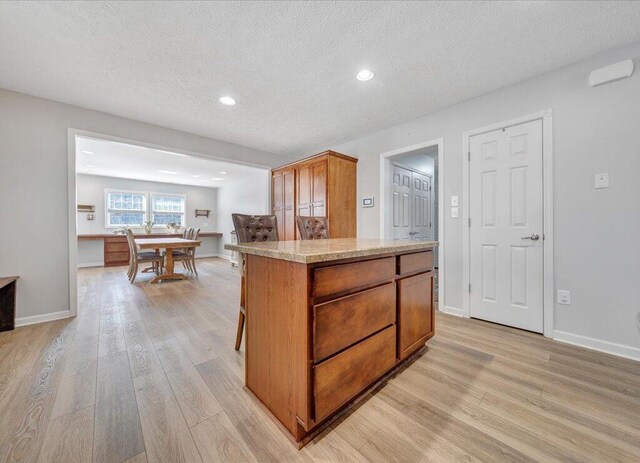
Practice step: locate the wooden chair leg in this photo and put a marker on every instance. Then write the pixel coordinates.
(240, 330)
(192, 263)
(134, 272)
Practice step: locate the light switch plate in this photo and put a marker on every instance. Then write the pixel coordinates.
(564, 297)
(602, 180)
(367, 202)
(454, 212)
(454, 201)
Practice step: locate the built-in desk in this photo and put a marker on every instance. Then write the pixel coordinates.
(329, 319)
(116, 248)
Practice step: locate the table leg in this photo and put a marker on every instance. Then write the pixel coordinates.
(169, 266)
(151, 269)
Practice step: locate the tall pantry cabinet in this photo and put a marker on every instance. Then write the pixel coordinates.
(320, 185)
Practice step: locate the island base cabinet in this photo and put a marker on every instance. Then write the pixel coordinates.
(342, 377)
(320, 335)
(415, 313)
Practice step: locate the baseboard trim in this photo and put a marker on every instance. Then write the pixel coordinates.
(607, 347)
(91, 264)
(202, 256)
(47, 317)
(453, 311)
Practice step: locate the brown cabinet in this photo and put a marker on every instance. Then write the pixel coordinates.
(415, 305)
(282, 202)
(323, 185)
(321, 334)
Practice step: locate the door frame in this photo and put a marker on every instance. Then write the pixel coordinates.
(72, 133)
(547, 216)
(416, 171)
(385, 212)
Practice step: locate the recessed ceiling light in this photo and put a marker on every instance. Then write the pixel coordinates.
(87, 152)
(223, 173)
(227, 100)
(217, 178)
(195, 176)
(364, 75)
(168, 172)
(89, 167)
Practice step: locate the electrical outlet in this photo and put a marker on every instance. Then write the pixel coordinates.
(564, 297)
(601, 180)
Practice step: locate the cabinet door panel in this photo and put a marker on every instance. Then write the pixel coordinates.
(319, 172)
(288, 182)
(415, 313)
(290, 225)
(280, 219)
(304, 186)
(319, 210)
(277, 191)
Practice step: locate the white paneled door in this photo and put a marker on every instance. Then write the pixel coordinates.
(412, 205)
(506, 239)
(401, 203)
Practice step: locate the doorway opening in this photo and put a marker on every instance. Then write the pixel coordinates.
(411, 191)
(158, 193)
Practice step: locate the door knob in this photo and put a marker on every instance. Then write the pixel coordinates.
(532, 237)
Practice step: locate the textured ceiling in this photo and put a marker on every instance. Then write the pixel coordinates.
(291, 65)
(114, 159)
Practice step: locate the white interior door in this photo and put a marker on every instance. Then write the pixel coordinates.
(506, 240)
(401, 203)
(422, 206)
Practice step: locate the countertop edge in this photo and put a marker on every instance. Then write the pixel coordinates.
(330, 256)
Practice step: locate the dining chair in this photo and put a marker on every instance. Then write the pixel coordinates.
(155, 259)
(313, 228)
(185, 236)
(188, 255)
(249, 229)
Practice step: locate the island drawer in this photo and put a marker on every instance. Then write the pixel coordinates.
(340, 378)
(415, 262)
(345, 321)
(339, 280)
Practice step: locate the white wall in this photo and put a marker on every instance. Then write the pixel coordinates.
(33, 188)
(91, 190)
(594, 130)
(247, 196)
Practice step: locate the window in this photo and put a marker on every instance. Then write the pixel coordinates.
(125, 208)
(167, 208)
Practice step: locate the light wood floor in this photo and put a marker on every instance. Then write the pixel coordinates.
(148, 373)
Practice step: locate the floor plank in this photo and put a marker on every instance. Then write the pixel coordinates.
(166, 434)
(118, 433)
(218, 440)
(481, 393)
(69, 438)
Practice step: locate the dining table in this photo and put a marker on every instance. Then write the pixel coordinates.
(168, 244)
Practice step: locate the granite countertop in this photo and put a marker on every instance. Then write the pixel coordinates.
(311, 251)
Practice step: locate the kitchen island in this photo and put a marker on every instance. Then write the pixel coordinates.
(327, 320)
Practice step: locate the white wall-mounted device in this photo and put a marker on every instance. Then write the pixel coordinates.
(601, 180)
(613, 72)
(367, 202)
